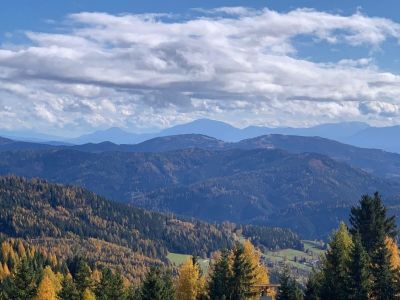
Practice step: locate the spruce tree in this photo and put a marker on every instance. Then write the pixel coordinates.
(313, 286)
(359, 271)
(23, 285)
(110, 287)
(82, 277)
(169, 290)
(153, 286)
(68, 290)
(288, 289)
(371, 222)
(219, 284)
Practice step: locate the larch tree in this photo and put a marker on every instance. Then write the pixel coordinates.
(336, 265)
(46, 290)
(88, 295)
(188, 283)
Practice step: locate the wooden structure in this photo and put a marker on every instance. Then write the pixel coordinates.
(267, 289)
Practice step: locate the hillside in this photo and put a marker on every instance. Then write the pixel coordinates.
(235, 185)
(50, 213)
(374, 161)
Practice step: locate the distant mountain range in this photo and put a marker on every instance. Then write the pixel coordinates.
(376, 162)
(308, 192)
(353, 133)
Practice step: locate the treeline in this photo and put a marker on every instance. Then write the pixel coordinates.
(272, 238)
(362, 260)
(29, 274)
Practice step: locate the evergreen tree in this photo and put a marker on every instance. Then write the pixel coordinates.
(371, 222)
(110, 287)
(360, 276)
(153, 287)
(313, 286)
(242, 275)
(335, 284)
(169, 289)
(219, 284)
(68, 290)
(23, 285)
(385, 286)
(288, 289)
(82, 277)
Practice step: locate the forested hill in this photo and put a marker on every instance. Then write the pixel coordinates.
(71, 220)
(35, 208)
(260, 186)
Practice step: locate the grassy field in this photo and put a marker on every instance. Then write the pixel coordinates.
(177, 259)
(299, 262)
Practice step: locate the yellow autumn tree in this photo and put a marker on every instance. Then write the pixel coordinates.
(254, 257)
(391, 245)
(55, 279)
(88, 295)
(6, 270)
(189, 283)
(46, 290)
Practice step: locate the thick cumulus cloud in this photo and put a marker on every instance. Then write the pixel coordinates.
(152, 70)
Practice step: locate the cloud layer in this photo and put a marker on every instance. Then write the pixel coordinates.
(235, 64)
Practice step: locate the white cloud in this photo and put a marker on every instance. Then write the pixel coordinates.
(152, 70)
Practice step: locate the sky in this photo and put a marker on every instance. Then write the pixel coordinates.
(69, 67)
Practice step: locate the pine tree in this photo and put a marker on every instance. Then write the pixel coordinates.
(242, 275)
(288, 289)
(46, 290)
(336, 266)
(110, 287)
(360, 276)
(219, 284)
(68, 290)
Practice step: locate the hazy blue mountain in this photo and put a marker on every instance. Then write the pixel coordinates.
(114, 134)
(222, 131)
(386, 138)
(213, 128)
(373, 161)
(29, 136)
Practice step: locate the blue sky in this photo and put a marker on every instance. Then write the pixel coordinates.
(69, 67)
